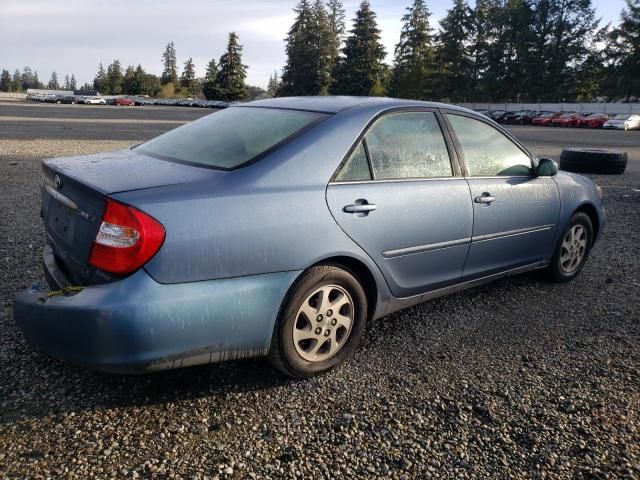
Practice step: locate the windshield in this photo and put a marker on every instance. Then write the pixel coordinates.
(231, 137)
(546, 115)
(567, 115)
(621, 116)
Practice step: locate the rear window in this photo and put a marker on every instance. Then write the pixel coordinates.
(230, 138)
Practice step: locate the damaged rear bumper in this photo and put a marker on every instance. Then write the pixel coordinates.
(138, 325)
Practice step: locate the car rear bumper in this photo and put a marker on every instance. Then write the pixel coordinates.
(139, 325)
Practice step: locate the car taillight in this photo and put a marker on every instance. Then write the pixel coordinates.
(126, 240)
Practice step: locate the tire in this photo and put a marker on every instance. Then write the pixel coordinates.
(567, 263)
(310, 354)
(592, 160)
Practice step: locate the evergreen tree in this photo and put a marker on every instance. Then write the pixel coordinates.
(169, 62)
(361, 70)
(454, 57)
(67, 82)
(16, 81)
(210, 88)
(114, 78)
(273, 85)
(73, 84)
(36, 81)
(29, 79)
(100, 82)
(626, 50)
(336, 16)
(322, 42)
(53, 82)
(231, 71)
(5, 81)
(298, 75)
(188, 78)
(414, 55)
(130, 82)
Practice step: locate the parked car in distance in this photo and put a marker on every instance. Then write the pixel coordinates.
(569, 119)
(522, 117)
(497, 115)
(123, 102)
(486, 113)
(94, 101)
(623, 122)
(280, 227)
(544, 119)
(595, 120)
(67, 99)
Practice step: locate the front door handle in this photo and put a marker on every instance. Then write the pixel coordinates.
(485, 198)
(364, 208)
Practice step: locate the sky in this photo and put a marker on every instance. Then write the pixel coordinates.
(73, 36)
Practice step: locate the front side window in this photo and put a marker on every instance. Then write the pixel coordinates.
(231, 137)
(408, 145)
(487, 151)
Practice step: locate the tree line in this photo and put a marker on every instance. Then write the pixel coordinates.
(497, 50)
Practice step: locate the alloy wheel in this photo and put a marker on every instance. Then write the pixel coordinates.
(323, 323)
(574, 247)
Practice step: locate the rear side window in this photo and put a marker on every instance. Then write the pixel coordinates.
(230, 138)
(356, 167)
(487, 151)
(408, 145)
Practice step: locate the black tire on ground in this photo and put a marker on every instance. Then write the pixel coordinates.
(555, 271)
(283, 354)
(592, 160)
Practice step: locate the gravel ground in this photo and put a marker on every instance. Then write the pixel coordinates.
(517, 379)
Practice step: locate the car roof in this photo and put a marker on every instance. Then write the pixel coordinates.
(336, 104)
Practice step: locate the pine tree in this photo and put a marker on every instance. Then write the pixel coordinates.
(231, 71)
(414, 55)
(188, 78)
(453, 57)
(626, 50)
(298, 75)
(273, 85)
(322, 41)
(114, 78)
(130, 82)
(73, 84)
(361, 70)
(100, 82)
(336, 16)
(16, 82)
(28, 79)
(210, 88)
(53, 82)
(169, 62)
(67, 82)
(36, 81)
(5, 81)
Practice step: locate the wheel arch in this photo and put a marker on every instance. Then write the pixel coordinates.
(362, 272)
(592, 212)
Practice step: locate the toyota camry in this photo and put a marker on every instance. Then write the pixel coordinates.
(280, 227)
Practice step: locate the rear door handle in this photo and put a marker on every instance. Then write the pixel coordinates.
(364, 208)
(486, 198)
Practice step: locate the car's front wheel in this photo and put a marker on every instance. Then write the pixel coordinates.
(573, 249)
(320, 323)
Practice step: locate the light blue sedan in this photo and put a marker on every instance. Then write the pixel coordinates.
(279, 227)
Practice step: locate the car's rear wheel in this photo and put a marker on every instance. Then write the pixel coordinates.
(573, 249)
(320, 323)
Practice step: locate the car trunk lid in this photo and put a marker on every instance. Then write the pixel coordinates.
(73, 200)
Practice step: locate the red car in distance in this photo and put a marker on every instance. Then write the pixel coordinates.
(595, 120)
(123, 101)
(570, 119)
(544, 119)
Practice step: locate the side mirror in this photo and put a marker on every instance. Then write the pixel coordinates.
(546, 168)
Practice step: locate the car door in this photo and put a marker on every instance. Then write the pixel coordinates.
(515, 213)
(400, 197)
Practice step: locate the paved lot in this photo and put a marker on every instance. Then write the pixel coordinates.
(517, 379)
